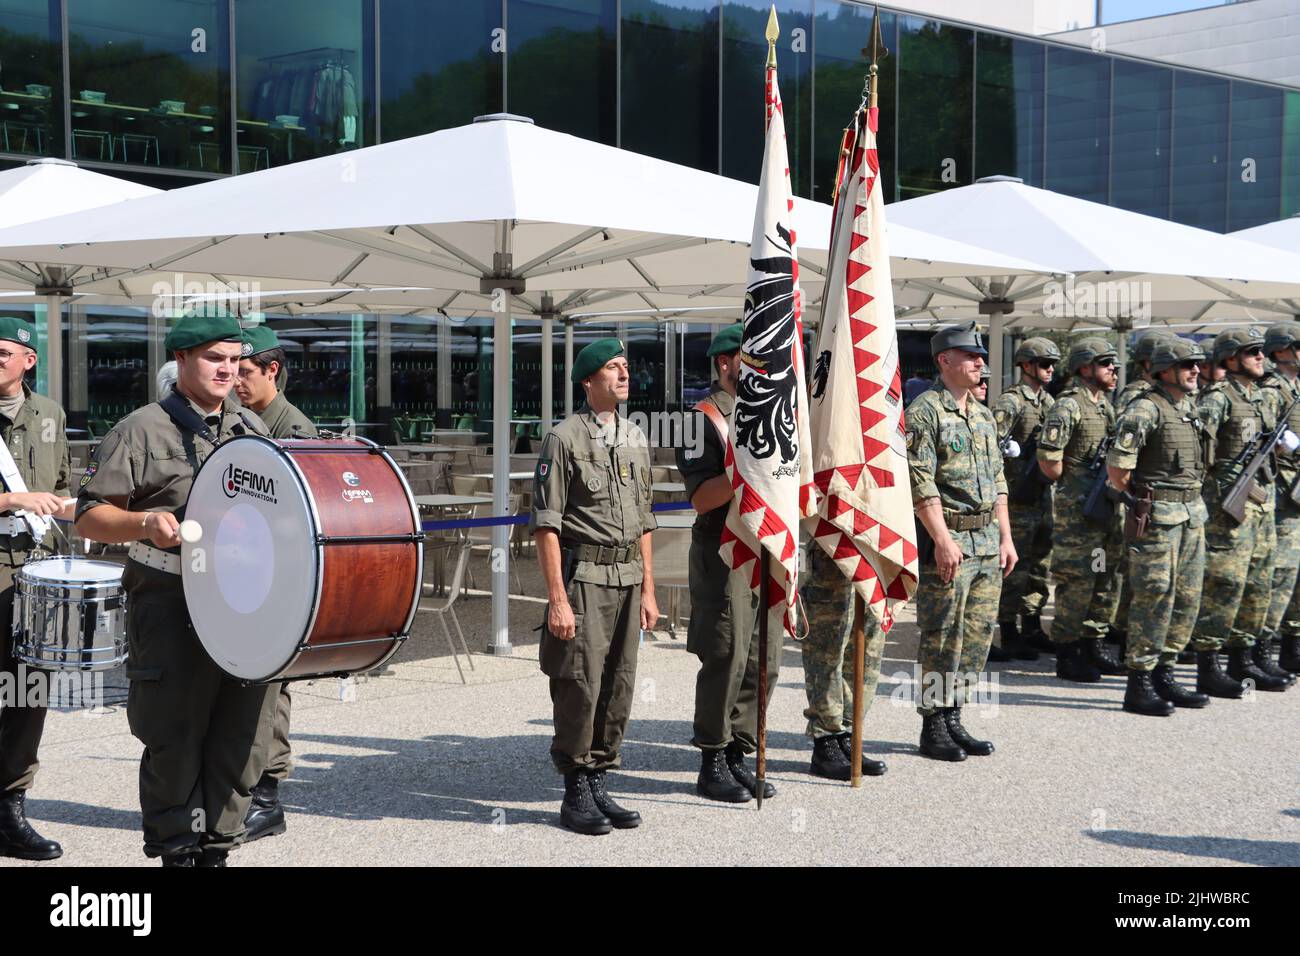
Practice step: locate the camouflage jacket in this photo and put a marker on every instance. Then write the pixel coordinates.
(1073, 431)
(1130, 393)
(1138, 426)
(1283, 392)
(1234, 412)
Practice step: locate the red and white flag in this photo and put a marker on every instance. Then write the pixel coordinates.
(863, 495)
(768, 456)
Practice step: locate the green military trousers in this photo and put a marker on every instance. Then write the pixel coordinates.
(1085, 567)
(956, 623)
(1165, 569)
(828, 649)
(279, 755)
(1024, 592)
(1283, 609)
(723, 634)
(198, 727)
(20, 725)
(593, 676)
(1238, 579)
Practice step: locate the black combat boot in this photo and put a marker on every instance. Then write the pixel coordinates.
(1141, 697)
(265, 815)
(1242, 668)
(716, 782)
(1096, 653)
(1116, 635)
(1162, 680)
(1008, 639)
(829, 759)
(1289, 657)
(936, 741)
(1210, 678)
(962, 738)
(1072, 664)
(743, 775)
(870, 767)
(1034, 637)
(1262, 655)
(579, 812)
(17, 838)
(1187, 656)
(186, 859)
(211, 858)
(620, 817)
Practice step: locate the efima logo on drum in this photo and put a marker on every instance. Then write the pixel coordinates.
(241, 481)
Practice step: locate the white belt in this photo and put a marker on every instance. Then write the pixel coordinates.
(151, 557)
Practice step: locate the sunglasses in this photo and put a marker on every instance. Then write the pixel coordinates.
(1189, 365)
(1047, 363)
(1255, 351)
(1104, 362)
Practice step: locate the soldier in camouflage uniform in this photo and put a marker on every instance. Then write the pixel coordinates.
(828, 668)
(1019, 413)
(1074, 432)
(1283, 619)
(1159, 445)
(1239, 557)
(960, 499)
(982, 389)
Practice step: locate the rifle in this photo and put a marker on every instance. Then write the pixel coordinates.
(1031, 483)
(1251, 459)
(1097, 505)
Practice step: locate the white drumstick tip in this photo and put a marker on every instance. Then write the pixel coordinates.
(191, 531)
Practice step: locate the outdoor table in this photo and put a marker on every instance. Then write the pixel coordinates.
(668, 487)
(514, 475)
(450, 501)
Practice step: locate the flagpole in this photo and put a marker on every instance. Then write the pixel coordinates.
(760, 760)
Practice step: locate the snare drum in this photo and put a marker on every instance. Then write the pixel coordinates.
(69, 615)
(309, 559)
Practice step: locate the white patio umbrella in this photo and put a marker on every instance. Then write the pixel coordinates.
(497, 218)
(1137, 264)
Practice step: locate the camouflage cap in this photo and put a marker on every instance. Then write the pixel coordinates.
(1146, 342)
(593, 358)
(1231, 341)
(1036, 348)
(965, 336)
(1088, 350)
(14, 329)
(1172, 350)
(1281, 336)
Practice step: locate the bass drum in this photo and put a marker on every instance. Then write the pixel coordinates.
(308, 558)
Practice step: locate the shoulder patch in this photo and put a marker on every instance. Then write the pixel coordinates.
(1126, 440)
(911, 439)
(1001, 416)
(543, 468)
(90, 473)
(1052, 432)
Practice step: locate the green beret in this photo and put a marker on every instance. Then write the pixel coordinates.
(593, 358)
(13, 329)
(258, 339)
(727, 341)
(200, 329)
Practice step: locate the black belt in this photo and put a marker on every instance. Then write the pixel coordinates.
(1180, 495)
(600, 554)
(967, 522)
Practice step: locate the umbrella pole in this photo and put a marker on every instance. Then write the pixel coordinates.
(761, 758)
(859, 676)
(501, 407)
(568, 367)
(548, 373)
(54, 347)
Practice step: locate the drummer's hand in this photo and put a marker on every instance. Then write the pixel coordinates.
(162, 528)
(560, 621)
(36, 502)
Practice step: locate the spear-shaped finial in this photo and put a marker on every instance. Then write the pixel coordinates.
(773, 32)
(875, 53)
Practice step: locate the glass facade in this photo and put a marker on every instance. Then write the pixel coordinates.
(171, 91)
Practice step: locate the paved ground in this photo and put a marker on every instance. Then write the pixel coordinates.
(420, 769)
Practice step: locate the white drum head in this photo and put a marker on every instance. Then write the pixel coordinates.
(250, 578)
(78, 570)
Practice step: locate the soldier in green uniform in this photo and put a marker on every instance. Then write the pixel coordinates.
(982, 389)
(1160, 448)
(1085, 555)
(724, 610)
(960, 499)
(592, 520)
(1019, 412)
(262, 375)
(828, 668)
(198, 725)
(32, 431)
(1239, 557)
(1280, 342)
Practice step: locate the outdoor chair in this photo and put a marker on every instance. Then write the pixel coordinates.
(671, 556)
(442, 549)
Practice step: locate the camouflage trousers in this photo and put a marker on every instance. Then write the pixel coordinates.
(828, 649)
(1165, 567)
(956, 623)
(1283, 606)
(1025, 590)
(1238, 579)
(1085, 570)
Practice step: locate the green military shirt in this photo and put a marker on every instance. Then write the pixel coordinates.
(954, 456)
(1019, 410)
(1130, 393)
(38, 442)
(1063, 439)
(284, 420)
(710, 463)
(1135, 428)
(1283, 392)
(1215, 406)
(147, 463)
(592, 486)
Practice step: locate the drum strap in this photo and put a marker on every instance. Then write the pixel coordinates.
(180, 412)
(39, 524)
